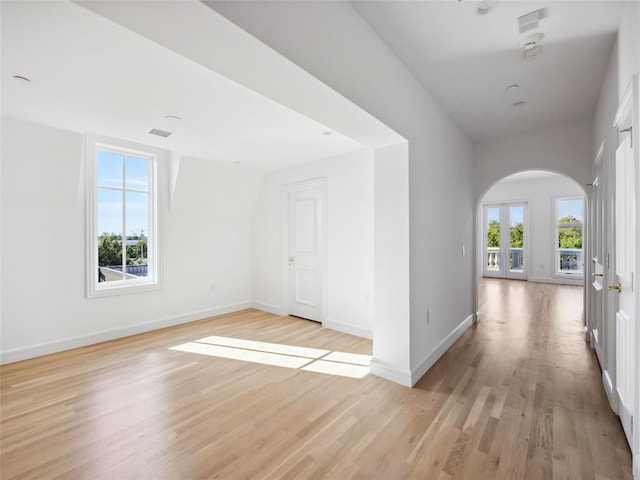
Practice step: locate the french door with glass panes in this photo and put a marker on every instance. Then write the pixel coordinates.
(504, 241)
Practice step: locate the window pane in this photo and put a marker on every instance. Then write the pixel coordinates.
(109, 169)
(109, 211)
(570, 237)
(570, 222)
(516, 226)
(137, 174)
(137, 222)
(570, 211)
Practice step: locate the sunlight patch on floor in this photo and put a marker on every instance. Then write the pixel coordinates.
(265, 347)
(343, 364)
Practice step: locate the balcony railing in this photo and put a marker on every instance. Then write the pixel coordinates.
(137, 270)
(516, 258)
(570, 260)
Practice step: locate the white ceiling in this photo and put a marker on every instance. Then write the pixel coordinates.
(467, 60)
(89, 74)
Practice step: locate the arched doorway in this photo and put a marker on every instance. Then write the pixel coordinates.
(537, 206)
(531, 225)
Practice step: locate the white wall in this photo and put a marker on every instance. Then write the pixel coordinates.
(44, 309)
(566, 149)
(624, 64)
(628, 66)
(600, 301)
(351, 58)
(540, 195)
(349, 240)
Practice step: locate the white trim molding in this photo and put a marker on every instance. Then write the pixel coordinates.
(409, 378)
(286, 189)
(269, 308)
(346, 328)
(636, 466)
(48, 348)
(388, 371)
(608, 389)
(157, 159)
(558, 281)
(432, 357)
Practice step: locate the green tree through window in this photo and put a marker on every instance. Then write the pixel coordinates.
(570, 236)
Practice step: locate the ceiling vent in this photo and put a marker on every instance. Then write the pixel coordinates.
(158, 132)
(530, 21)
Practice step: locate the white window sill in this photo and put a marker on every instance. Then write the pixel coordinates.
(123, 289)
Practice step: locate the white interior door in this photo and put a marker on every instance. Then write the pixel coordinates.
(305, 225)
(504, 241)
(624, 276)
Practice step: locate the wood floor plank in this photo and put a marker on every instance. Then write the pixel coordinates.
(518, 396)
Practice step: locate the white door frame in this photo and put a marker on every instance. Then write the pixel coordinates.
(628, 116)
(284, 257)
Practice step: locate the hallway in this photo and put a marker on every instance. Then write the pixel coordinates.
(517, 397)
(530, 344)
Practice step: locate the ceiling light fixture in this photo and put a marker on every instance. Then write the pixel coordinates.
(21, 78)
(172, 117)
(512, 88)
(486, 6)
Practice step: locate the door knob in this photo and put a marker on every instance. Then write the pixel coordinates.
(598, 274)
(617, 287)
(291, 260)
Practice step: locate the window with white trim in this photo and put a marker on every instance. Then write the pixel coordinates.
(122, 217)
(569, 234)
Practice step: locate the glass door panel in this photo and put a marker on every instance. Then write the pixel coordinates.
(493, 264)
(516, 240)
(505, 241)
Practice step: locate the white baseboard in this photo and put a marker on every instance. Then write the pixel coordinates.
(268, 307)
(32, 351)
(558, 281)
(599, 352)
(390, 372)
(346, 328)
(612, 396)
(432, 357)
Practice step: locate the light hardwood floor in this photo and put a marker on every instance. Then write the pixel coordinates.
(517, 397)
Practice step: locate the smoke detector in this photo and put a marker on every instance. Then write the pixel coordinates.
(530, 45)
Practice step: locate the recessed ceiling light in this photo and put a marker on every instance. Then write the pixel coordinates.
(512, 88)
(519, 104)
(486, 6)
(172, 117)
(21, 78)
(327, 133)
